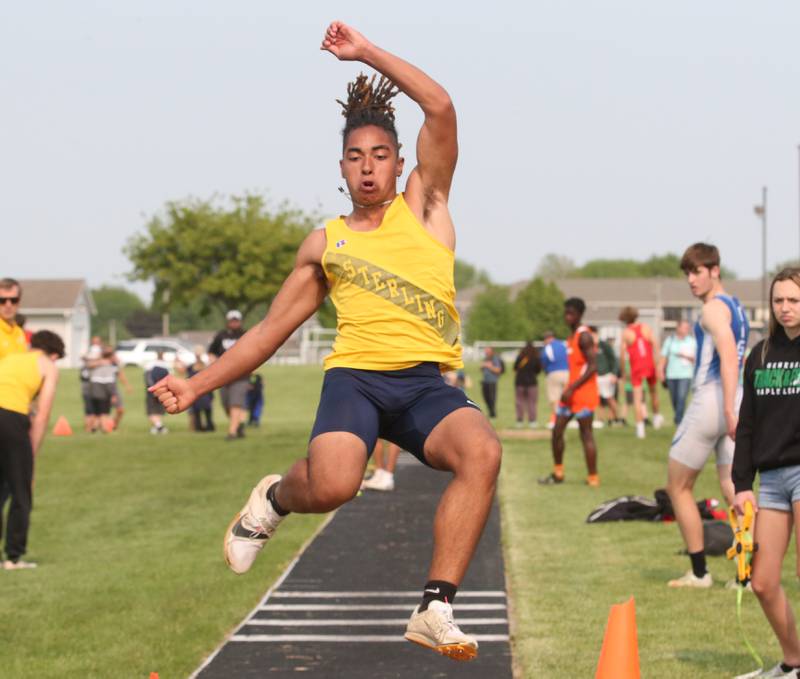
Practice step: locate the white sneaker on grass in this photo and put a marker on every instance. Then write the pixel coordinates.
(689, 579)
(658, 421)
(18, 565)
(251, 528)
(435, 628)
(380, 480)
(640, 430)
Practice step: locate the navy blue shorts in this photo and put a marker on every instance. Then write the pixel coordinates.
(401, 406)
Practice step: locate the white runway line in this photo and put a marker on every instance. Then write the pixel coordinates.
(338, 638)
(389, 595)
(372, 607)
(331, 622)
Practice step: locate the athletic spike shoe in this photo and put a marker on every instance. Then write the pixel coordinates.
(380, 480)
(251, 528)
(689, 579)
(551, 480)
(436, 629)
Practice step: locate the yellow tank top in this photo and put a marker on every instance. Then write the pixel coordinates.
(394, 295)
(20, 379)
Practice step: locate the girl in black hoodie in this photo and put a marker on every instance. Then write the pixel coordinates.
(768, 442)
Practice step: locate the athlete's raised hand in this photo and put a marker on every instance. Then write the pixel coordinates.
(175, 394)
(344, 42)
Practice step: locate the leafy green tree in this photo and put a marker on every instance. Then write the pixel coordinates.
(539, 306)
(494, 317)
(231, 256)
(553, 266)
(608, 268)
(114, 304)
(782, 265)
(466, 275)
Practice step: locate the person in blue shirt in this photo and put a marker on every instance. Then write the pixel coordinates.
(553, 358)
(677, 364)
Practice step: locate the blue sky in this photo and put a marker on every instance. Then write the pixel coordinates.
(594, 129)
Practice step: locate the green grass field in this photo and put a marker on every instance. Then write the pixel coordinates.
(127, 530)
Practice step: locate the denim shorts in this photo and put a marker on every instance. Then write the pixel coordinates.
(779, 488)
(566, 411)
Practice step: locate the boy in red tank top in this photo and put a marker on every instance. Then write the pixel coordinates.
(639, 341)
(580, 399)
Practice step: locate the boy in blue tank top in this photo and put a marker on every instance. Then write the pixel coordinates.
(709, 423)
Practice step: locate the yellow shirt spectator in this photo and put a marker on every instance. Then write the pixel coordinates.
(12, 339)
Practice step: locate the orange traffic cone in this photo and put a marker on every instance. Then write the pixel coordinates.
(108, 426)
(153, 675)
(619, 657)
(61, 427)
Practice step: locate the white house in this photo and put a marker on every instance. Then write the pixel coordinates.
(64, 306)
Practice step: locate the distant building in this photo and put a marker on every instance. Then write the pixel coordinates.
(64, 306)
(661, 302)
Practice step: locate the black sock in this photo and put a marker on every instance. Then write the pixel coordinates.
(437, 590)
(280, 511)
(788, 668)
(698, 563)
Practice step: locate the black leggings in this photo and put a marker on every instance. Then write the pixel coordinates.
(16, 470)
(490, 396)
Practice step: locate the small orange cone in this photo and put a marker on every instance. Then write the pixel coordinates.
(108, 426)
(153, 675)
(61, 427)
(619, 657)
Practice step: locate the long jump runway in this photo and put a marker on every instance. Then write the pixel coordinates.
(341, 609)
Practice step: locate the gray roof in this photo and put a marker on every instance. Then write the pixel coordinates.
(56, 294)
(638, 292)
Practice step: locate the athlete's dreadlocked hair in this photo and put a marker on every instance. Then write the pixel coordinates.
(369, 104)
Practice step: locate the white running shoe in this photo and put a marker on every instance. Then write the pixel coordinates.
(251, 528)
(773, 673)
(658, 421)
(689, 579)
(436, 629)
(640, 430)
(380, 480)
(18, 565)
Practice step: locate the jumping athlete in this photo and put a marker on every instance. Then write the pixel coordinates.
(767, 442)
(642, 347)
(580, 399)
(388, 267)
(710, 420)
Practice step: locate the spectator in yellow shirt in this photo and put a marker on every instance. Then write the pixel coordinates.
(12, 336)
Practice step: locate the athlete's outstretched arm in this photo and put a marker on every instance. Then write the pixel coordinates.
(717, 320)
(437, 143)
(300, 296)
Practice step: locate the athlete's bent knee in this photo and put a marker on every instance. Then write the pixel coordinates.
(327, 497)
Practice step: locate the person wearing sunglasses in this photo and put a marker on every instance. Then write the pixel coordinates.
(12, 336)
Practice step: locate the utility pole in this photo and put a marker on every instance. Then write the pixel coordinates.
(165, 314)
(761, 211)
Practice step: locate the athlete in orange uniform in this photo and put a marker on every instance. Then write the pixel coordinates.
(580, 399)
